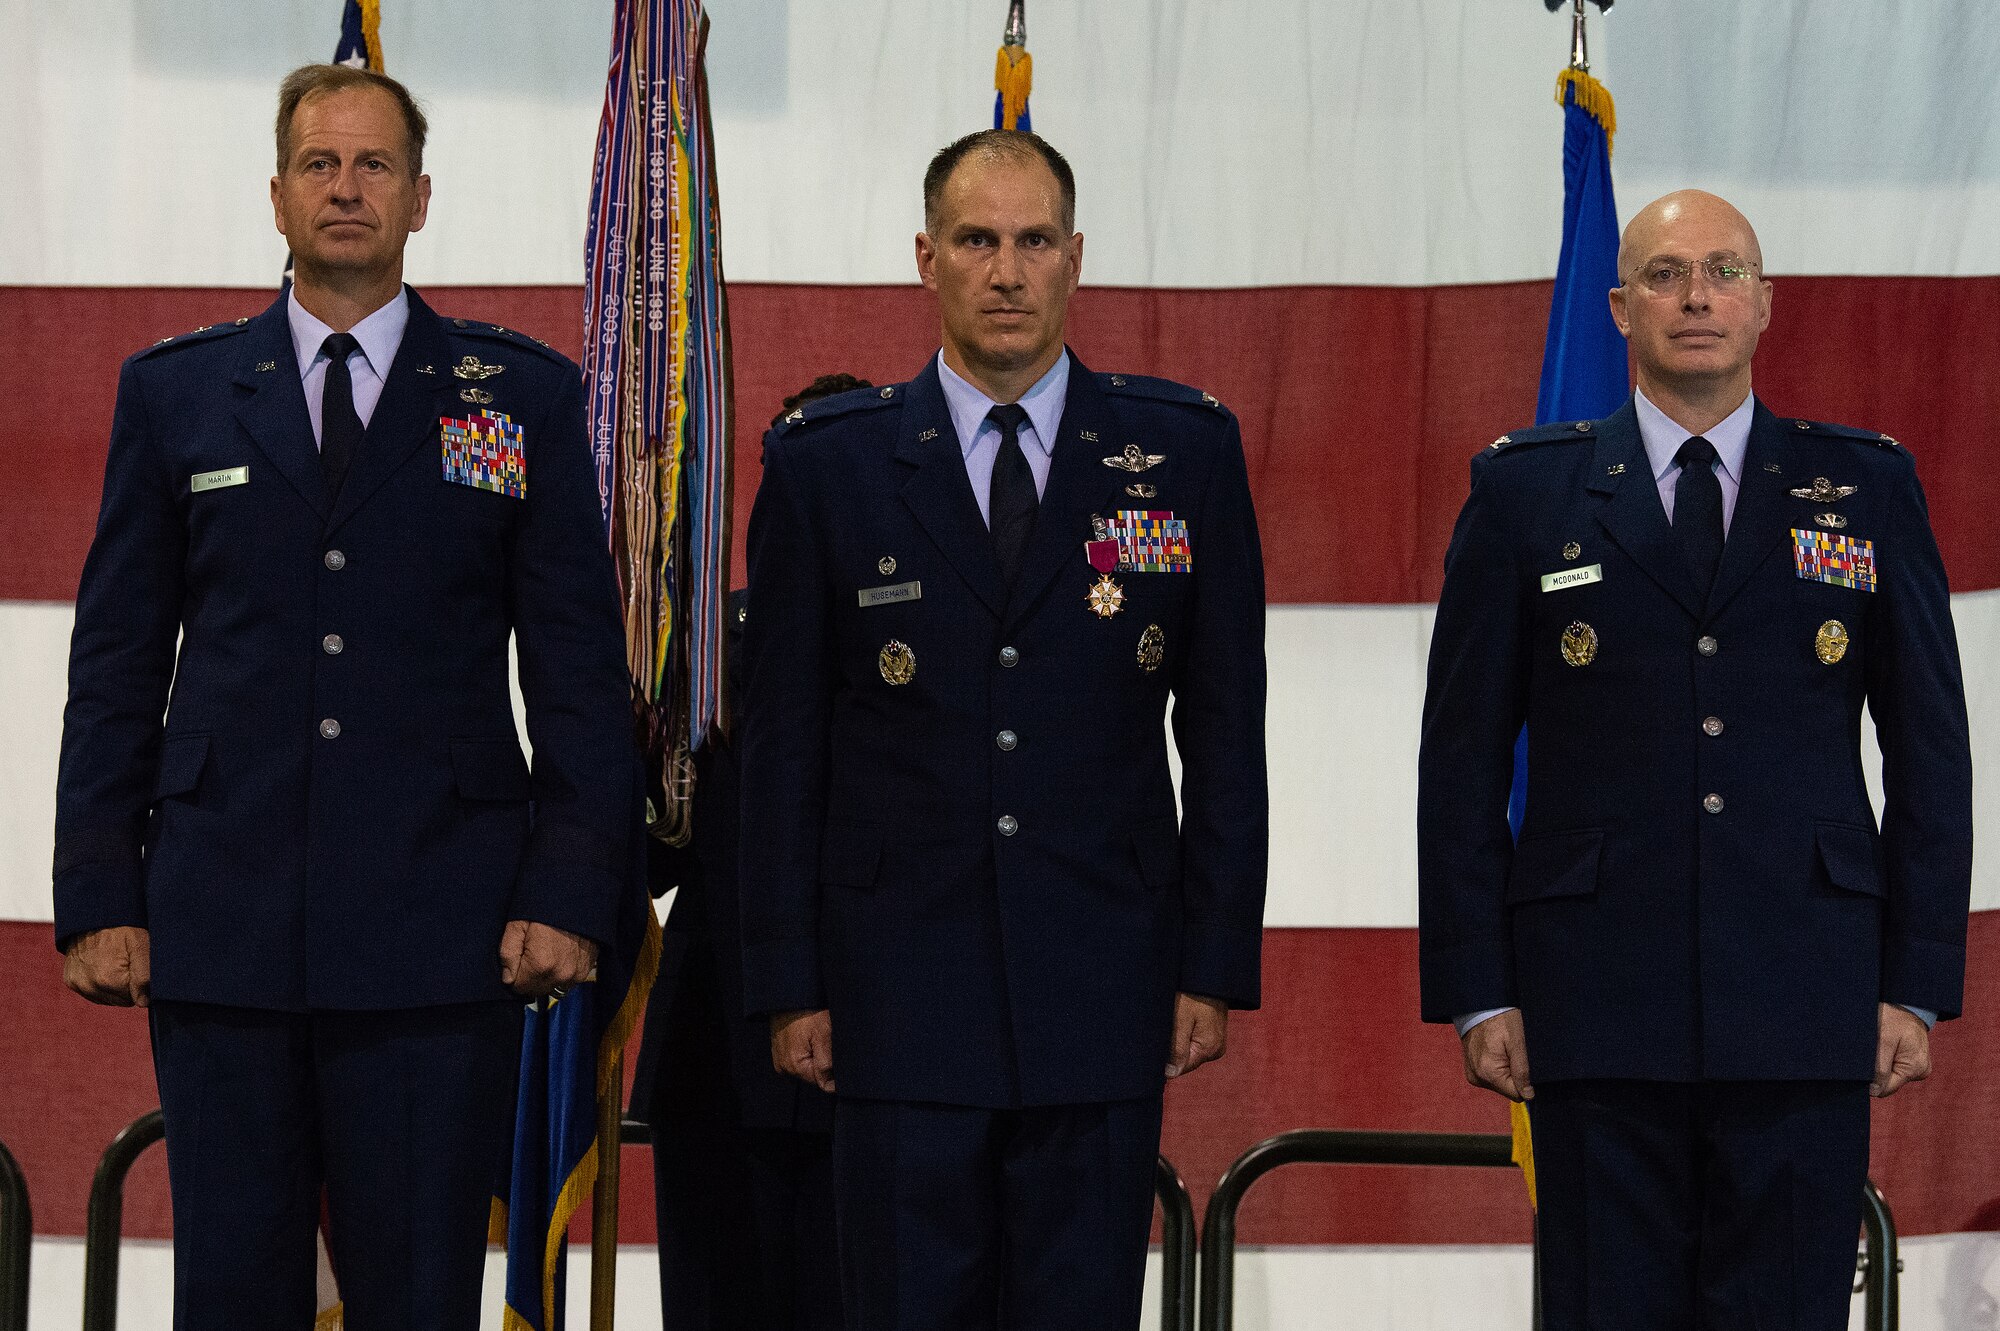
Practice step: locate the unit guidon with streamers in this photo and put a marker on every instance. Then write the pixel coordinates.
(1844, 561)
(486, 451)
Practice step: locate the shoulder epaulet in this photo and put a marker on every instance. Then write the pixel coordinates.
(1552, 433)
(841, 404)
(1825, 430)
(500, 333)
(1162, 390)
(205, 333)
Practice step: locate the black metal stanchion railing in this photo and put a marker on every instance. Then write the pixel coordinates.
(1177, 1240)
(107, 1217)
(17, 1229)
(1319, 1147)
(1881, 1266)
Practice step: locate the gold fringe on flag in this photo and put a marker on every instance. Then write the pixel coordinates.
(1524, 1141)
(1013, 79)
(371, 32)
(1593, 97)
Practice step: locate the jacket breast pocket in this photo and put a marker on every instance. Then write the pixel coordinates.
(1848, 856)
(1556, 864)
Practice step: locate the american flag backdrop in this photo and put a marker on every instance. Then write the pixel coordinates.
(1341, 217)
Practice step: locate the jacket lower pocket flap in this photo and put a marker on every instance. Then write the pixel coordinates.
(1849, 856)
(181, 761)
(850, 855)
(489, 769)
(1158, 850)
(1561, 864)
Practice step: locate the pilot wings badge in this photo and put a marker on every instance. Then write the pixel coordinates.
(1823, 491)
(1133, 460)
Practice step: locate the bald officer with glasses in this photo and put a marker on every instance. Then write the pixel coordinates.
(1703, 955)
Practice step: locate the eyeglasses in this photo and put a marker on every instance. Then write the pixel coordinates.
(1669, 277)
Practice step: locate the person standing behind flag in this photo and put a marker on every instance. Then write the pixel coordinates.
(742, 1154)
(1708, 949)
(972, 596)
(330, 874)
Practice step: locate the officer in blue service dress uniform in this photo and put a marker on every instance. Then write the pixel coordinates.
(967, 905)
(328, 870)
(742, 1154)
(1709, 949)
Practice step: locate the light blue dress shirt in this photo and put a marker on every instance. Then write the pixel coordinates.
(1663, 437)
(979, 438)
(379, 335)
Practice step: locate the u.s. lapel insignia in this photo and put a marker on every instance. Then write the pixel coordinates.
(927, 436)
(1088, 436)
(1615, 469)
(1830, 643)
(1774, 469)
(266, 366)
(1105, 598)
(1134, 460)
(478, 396)
(897, 662)
(427, 369)
(1579, 644)
(1141, 490)
(1823, 491)
(469, 367)
(1830, 519)
(1152, 648)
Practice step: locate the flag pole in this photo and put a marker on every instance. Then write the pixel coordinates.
(604, 1201)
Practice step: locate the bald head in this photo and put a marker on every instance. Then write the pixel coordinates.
(1685, 209)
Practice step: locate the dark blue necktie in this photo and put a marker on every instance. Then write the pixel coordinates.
(339, 422)
(1012, 501)
(1698, 511)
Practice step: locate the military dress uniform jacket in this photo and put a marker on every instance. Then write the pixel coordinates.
(959, 823)
(1700, 890)
(336, 813)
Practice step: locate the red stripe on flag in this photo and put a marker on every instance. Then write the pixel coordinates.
(1338, 1046)
(1360, 405)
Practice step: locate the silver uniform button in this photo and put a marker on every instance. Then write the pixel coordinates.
(332, 645)
(1006, 739)
(1010, 657)
(1706, 645)
(1713, 804)
(1712, 726)
(335, 560)
(1007, 825)
(329, 729)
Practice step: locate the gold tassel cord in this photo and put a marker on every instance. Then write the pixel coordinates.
(1593, 97)
(1013, 79)
(1524, 1148)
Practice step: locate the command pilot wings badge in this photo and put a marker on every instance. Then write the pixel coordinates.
(1133, 460)
(1823, 491)
(469, 367)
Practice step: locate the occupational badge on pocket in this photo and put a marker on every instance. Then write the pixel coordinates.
(1579, 644)
(1152, 648)
(486, 451)
(1830, 643)
(897, 662)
